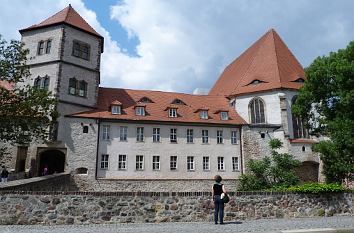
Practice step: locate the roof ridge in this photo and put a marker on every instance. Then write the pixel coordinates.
(67, 13)
(276, 56)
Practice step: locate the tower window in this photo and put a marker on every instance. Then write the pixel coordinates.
(82, 88)
(256, 111)
(40, 48)
(78, 88)
(48, 47)
(81, 50)
(42, 82)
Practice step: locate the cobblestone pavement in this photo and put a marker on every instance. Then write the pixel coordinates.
(262, 225)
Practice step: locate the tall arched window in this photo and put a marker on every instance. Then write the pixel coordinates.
(46, 83)
(256, 111)
(72, 86)
(37, 82)
(299, 125)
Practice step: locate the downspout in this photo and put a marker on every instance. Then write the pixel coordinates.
(241, 154)
(98, 144)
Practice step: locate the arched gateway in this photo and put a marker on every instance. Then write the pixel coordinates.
(54, 160)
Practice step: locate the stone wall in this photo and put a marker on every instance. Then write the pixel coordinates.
(123, 207)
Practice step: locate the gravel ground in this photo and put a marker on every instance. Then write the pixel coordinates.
(262, 225)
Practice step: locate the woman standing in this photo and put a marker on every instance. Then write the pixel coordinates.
(217, 190)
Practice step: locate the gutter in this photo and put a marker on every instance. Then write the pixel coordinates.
(98, 144)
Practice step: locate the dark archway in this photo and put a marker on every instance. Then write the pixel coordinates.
(54, 160)
(308, 171)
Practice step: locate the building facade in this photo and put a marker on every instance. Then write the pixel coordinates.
(122, 139)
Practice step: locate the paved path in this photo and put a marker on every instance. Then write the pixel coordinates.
(262, 225)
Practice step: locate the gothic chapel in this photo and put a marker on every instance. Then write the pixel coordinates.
(113, 139)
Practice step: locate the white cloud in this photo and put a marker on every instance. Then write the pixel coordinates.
(184, 45)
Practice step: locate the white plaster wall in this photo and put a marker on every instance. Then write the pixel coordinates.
(31, 39)
(165, 149)
(72, 34)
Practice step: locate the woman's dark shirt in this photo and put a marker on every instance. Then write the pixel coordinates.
(217, 189)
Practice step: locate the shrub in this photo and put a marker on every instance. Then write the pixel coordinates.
(312, 188)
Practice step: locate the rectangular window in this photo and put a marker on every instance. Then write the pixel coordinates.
(206, 163)
(104, 161)
(173, 163)
(173, 135)
(140, 134)
(233, 137)
(221, 165)
(172, 112)
(49, 46)
(40, 48)
(139, 163)
(190, 163)
(140, 111)
(203, 114)
(156, 163)
(156, 134)
(205, 136)
(106, 132)
(224, 116)
(82, 89)
(123, 133)
(189, 135)
(122, 162)
(81, 50)
(235, 165)
(219, 137)
(116, 110)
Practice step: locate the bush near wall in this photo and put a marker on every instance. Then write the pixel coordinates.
(313, 188)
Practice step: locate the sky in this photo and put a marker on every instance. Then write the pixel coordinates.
(184, 45)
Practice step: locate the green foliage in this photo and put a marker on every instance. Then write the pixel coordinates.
(326, 99)
(26, 112)
(277, 170)
(312, 188)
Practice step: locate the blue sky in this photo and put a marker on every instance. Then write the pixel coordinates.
(184, 45)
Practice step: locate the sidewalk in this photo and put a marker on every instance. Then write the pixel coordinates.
(338, 224)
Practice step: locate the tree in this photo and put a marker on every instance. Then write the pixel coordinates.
(326, 100)
(26, 112)
(276, 170)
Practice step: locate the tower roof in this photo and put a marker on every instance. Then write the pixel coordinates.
(66, 16)
(268, 64)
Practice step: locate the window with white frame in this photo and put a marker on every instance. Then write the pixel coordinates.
(235, 164)
(155, 162)
(139, 163)
(219, 137)
(123, 133)
(234, 137)
(156, 134)
(116, 109)
(190, 163)
(173, 163)
(206, 163)
(104, 161)
(203, 114)
(173, 135)
(106, 132)
(140, 134)
(224, 116)
(122, 162)
(205, 136)
(172, 112)
(221, 164)
(190, 136)
(140, 111)
(42, 82)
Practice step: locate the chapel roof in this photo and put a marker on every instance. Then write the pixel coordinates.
(267, 65)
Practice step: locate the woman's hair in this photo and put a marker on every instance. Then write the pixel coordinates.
(218, 178)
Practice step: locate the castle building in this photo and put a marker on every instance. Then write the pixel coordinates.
(142, 140)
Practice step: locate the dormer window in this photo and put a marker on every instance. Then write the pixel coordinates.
(140, 111)
(203, 114)
(224, 116)
(172, 112)
(116, 109)
(255, 82)
(178, 101)
(145, 100)
(299, 80)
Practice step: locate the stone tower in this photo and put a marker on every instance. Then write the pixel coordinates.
(64, 57)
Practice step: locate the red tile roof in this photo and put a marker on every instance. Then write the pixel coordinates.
(268, 60)
(68, 16)
(156, 111)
